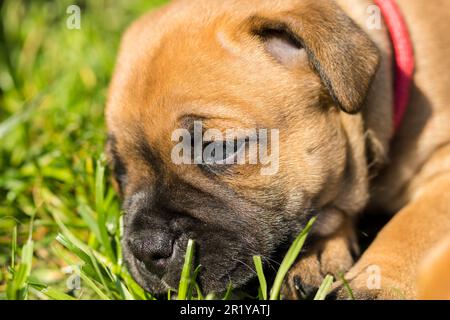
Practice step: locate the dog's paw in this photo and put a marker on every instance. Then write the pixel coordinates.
(334, 255)
(303, 279)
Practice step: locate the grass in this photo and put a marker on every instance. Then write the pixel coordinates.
(60, 219)
(185, 281)
(289, 260)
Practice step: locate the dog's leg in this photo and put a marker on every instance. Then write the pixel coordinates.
(389, 267)
(331, 255)
(434, 276)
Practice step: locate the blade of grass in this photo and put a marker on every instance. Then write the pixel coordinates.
(210, 296)
(186, 272)
(99, 272)
(16, 288)
(29, 108)
(88, 216)
(261, 277)
(93, 286)
(199, 292)
(67, 234)
(124, 292)
(347, 286)
(87, 271)
(136, 290)
(229, 291)
(99, 196)
(324, 288)
(14, 247)
(73, 247)
(195, 285)
(99, 185)
(56, 294)
(289, 260)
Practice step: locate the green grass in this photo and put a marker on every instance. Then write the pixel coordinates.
(289, 260)
(60, 219)
(186, 278)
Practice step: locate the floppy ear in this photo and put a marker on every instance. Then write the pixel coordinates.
(340, 52)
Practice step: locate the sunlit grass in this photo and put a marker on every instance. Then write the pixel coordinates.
(53, 84)
(99, 265)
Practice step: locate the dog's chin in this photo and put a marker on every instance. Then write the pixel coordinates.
(148, 281)
(209, 282)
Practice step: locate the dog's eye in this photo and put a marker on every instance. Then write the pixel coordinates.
(225, 153)
(222, 152)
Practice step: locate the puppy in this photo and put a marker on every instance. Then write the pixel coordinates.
(312, 70)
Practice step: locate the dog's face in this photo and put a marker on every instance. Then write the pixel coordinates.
(299, 67)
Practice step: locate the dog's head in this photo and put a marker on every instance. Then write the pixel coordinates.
(302, 68)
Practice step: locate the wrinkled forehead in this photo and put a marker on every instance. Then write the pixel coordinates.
(199, 59)
(189, 73)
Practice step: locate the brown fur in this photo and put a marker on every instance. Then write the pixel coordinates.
(221, 61)
(434, 278)
(415, 183)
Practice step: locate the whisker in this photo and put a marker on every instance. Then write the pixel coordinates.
(250, 268)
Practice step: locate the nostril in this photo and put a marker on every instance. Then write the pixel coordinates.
(154, 249)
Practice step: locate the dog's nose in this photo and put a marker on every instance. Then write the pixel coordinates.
(153, 248)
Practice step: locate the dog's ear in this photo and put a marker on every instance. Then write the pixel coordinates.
(340, 52)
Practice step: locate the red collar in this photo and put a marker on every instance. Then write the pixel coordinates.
(403, 54)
